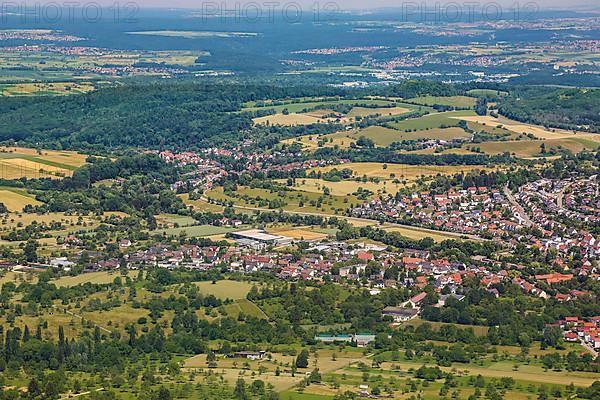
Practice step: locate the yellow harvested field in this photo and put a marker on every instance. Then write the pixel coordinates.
(418, 233)
(16, 201)
(31, 165)
(226, 289)
(17, 168)
(19, 162)
(532, 148)
(345, 188)
(26, 219)
(301, 234)
(44, 88)
(383, 111)
(288, 120)
(401, 171)
(517, 127)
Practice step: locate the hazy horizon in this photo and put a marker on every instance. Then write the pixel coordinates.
(362, 5)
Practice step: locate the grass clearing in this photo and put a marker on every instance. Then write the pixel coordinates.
(233, 290)
(416, 233)
(244, 306)
(101, 277)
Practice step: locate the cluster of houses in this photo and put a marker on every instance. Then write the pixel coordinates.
(474, 210)
(583, 199)
(579, 330)
(208, 168)
(488, 212)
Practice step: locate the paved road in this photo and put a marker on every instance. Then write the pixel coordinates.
(561, 196)
(520, 211)
(589, 348)
(363, 220)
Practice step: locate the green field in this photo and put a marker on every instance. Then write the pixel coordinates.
(195, 230)
(298, 107)
(101, 277)
(437, 120)
(246, 307)
(486, 92)
(452, 101)
(384, 136)
(293, 200)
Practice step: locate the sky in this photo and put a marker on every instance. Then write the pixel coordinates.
(369, 4)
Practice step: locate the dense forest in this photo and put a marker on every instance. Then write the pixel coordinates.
(177, 115)
(565, 108)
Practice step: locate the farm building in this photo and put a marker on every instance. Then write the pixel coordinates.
(361, 340)
(250, 355)
(400, 314)
(261, 236)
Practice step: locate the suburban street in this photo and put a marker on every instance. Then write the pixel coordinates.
(520, 211)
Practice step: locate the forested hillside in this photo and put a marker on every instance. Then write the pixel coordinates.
(565, 108)
(180, 115)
